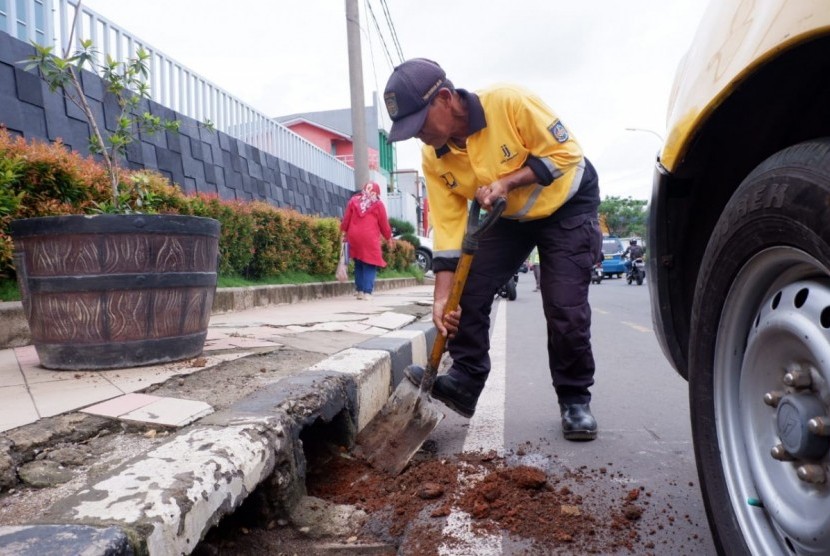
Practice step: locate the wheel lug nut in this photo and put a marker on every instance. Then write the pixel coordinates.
(798, 378)
(778, 452)
(819, 426)
(811, 473)
(772, 398)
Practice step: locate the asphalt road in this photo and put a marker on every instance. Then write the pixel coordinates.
(639, 401)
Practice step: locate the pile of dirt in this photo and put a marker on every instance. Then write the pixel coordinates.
(532, 506)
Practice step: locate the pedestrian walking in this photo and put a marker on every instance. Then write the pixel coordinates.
(364, 223)
(504, 142)
(533, 263)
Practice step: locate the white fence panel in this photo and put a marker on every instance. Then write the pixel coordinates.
(49, 22)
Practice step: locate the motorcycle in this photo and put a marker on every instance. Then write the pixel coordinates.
(597, 273)
(508, 289)
(636, 271)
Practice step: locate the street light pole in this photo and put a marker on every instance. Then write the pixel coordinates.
(359, 139)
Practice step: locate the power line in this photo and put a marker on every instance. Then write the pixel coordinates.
(380, 34)
(392, 29)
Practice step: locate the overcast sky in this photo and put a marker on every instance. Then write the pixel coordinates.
(602, 65)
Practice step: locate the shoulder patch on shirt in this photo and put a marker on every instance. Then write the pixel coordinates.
(559, 132)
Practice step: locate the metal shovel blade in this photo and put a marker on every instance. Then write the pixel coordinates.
(399, 429)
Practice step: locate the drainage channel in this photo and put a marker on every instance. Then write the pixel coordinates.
(279, 518)
(471, 503)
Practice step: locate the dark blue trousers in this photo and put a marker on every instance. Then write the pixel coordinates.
(364, 276)
(568, 249)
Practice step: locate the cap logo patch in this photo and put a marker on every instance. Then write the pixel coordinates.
(391, 104)
(559, 132)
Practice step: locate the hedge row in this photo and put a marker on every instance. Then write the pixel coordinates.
(257, 239)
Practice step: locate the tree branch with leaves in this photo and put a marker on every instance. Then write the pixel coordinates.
(127, 81)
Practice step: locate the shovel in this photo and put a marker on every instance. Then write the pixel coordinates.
(399, 429)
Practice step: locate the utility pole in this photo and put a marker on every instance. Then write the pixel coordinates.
(359, 141)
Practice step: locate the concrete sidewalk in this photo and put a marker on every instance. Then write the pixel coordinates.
(164, 498)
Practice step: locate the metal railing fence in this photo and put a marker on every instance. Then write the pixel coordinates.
(173, 85)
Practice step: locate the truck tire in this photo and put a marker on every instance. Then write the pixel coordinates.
(761, 310)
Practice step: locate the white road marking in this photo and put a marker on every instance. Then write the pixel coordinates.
(485, 433)
(637, 327)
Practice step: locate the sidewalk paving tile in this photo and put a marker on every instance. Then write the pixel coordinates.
(10, 373)
(244, 341)
(18, 408)
(60, 396)
(35, 374)
(171, 412)
(120, 405)
(27, 356)
(341, 326)
(139, 378)
(249, 343)
(376, 331)
(390, 320)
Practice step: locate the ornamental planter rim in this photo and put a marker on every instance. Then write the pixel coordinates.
(115, 223)
(116, 290)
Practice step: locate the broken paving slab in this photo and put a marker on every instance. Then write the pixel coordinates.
(120, 405)
(389, 320)
(157, 410)
(169, 412)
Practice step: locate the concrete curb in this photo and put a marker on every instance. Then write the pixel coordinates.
(14, 330)
(165, 500)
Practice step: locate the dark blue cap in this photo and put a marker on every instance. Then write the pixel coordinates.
(409, 90)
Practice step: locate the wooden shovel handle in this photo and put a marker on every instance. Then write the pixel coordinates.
(459, 279)
(474, 231)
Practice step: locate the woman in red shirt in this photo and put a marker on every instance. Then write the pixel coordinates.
(364, 223)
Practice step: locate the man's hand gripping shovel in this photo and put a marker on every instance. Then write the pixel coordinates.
(399, 429)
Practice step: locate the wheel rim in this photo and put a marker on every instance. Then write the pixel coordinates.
(421, 259)
(775, 320)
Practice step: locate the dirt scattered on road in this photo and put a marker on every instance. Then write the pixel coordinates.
(533, 510)
(541, 508)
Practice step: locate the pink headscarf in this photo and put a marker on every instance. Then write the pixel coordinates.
(369, 196)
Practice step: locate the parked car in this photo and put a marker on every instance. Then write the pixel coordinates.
(423, 253)
(612, 261)
(739, 269)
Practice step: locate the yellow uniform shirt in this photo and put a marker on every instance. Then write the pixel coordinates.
(511, 128)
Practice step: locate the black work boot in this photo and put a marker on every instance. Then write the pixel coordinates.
(577, 421)
(447, 390)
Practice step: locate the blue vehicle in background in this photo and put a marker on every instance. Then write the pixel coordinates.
(612, 261)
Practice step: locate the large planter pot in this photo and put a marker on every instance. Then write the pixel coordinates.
(114, 291)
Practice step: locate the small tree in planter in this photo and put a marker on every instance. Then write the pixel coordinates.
(125, 80)
(124, 288)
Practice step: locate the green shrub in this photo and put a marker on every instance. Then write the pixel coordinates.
(236, 238)
(315, 244)
(401, 226)
(399, 255)
(328, 243)
(271, 255)
(411, 238)
(257, 240)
